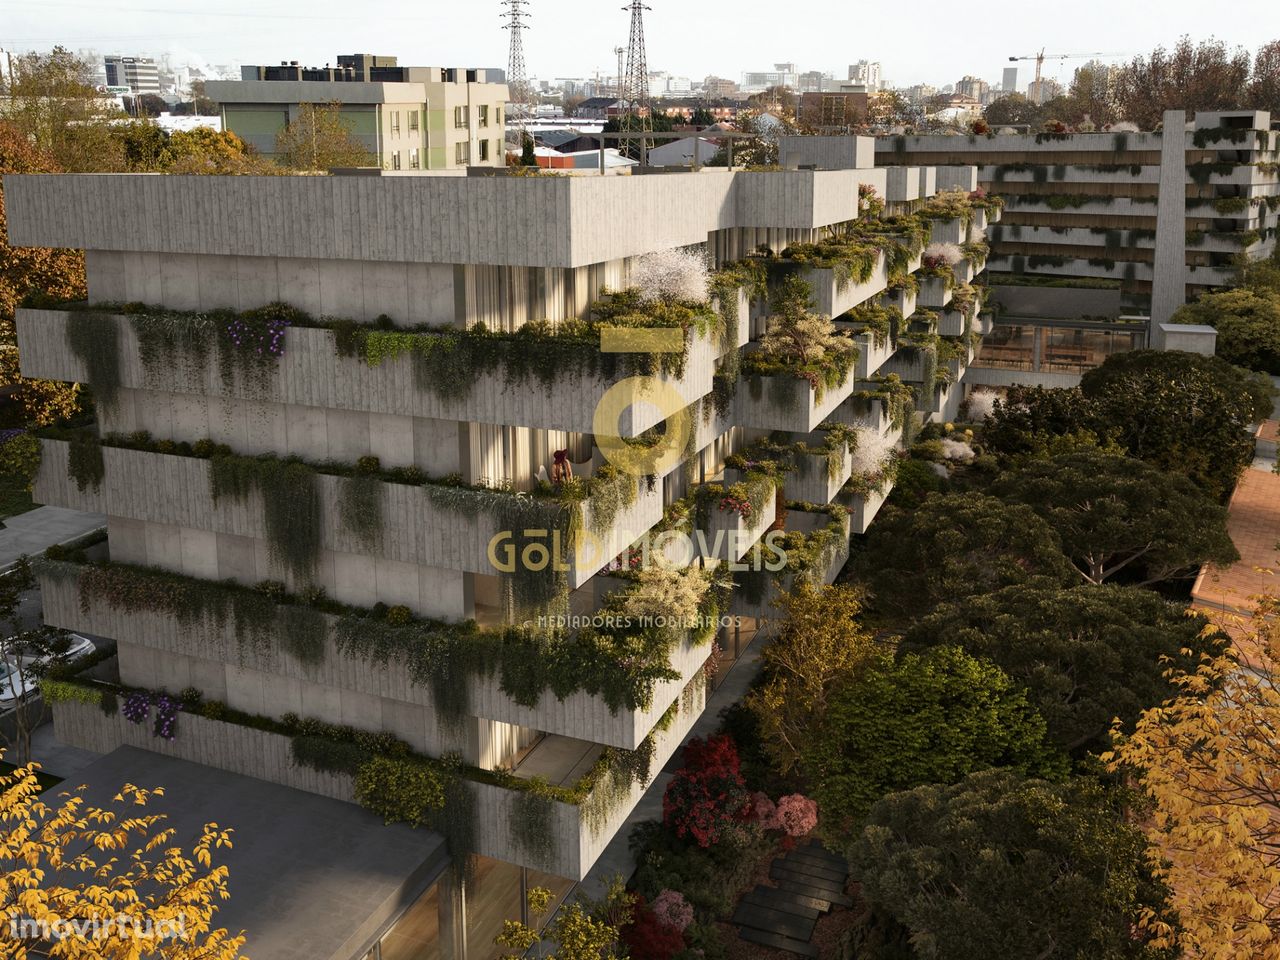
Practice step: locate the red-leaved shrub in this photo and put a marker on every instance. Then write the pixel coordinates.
(647, 938)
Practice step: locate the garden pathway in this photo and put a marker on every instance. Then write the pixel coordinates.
(810, 882)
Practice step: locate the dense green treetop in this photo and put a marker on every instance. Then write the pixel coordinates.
(1120, 516)
(998, 866)
(1087, 654)
(954, 546)
(931, 718)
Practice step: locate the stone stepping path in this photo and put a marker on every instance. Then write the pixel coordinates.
(810, 882)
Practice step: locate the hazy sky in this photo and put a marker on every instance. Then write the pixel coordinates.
(934, 41)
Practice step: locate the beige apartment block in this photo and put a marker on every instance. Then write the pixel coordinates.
(409, 118)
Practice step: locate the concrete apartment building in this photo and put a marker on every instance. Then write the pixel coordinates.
(139, 74)
(458, 465)
(410, 118)
(1103, 225)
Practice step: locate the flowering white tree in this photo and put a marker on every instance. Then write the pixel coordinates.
(872, 450)
(673, 275)
(981, 404)
(940, 254)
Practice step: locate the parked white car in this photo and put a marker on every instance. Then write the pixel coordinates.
(15, 685)
(12, 687)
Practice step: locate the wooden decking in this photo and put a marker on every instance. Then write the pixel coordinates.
(810, 882)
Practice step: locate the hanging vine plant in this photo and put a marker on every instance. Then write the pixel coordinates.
(360, 507)
(94, 338)
(303, 633)
(290, 504)
(248, 344)
(84, 461)
(533, 822)
(538, 528)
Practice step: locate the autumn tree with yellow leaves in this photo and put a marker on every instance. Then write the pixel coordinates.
(103, 883)
(819, 645)
(1210, 761)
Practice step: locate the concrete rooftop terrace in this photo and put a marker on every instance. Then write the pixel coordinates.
(544, 221)
(310, 878)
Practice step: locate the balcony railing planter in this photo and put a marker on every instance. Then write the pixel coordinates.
(814, 550)
(310, 371)
(863, 502)
(798, 401)
(822, 468)
(841, 287)
(948, 231)
(271, 662)
(935, 291)
(735, 515)
(574, 833)
(874, 351)
(433, 525)
(902, 297)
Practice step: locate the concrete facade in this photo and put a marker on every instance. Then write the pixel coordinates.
(1160, 216)
(431, 253)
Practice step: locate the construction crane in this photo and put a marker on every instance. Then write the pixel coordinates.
(1041, 57)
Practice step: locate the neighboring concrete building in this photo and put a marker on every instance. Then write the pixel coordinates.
(834, 111)
(600, 108)
(973, 87)
(720, 110)
(1103, 225)
(1043, 90)
(868, 74)
(342, 604)
(782, 75)
(718, 88)
(139, 74)
(410, 118)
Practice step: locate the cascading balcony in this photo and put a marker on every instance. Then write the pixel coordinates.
(418, 523)
(311, 372)
(576, 833)
(249, 676)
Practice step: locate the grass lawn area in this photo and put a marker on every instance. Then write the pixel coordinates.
(14, 498)
(46, 780)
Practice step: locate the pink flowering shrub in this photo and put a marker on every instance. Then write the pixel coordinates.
(796, 815)
(672, 910)
(764, 810)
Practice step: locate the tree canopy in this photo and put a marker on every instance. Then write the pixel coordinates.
(931, 718)
(1248, 325)
(820, 643)
(54, 106)
(1119, 516)
(954, 546)
(1204, 75)
(320, 138)
(1207, 760)
(1000, 866)
(1183, 412)
(66, 864)
(1086, 654)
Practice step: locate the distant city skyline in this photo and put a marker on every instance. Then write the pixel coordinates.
(575, 38)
